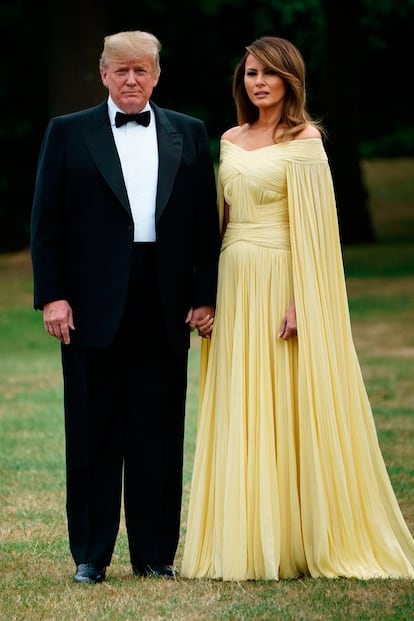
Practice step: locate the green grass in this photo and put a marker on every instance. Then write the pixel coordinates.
(35, 565)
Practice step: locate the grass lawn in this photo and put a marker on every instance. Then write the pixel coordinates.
(36, 568)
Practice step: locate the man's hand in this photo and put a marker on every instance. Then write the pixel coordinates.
(58, 320)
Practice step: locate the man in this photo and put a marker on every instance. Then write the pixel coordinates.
(125, 245)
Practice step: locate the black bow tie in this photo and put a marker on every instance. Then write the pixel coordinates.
(142, 118)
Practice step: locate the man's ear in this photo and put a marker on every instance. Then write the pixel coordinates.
(104, 76)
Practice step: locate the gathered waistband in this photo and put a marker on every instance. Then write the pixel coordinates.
(268, 235)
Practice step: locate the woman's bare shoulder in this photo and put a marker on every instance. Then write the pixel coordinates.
(310, 131)
(232, 134)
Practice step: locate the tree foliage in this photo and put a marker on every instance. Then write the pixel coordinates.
(356, 55)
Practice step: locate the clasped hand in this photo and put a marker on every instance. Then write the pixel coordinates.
(201, 318)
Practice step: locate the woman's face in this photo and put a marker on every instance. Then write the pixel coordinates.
(264, 87)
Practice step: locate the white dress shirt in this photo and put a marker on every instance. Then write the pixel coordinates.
(138, 151)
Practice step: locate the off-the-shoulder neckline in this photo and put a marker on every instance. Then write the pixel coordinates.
(269, 146)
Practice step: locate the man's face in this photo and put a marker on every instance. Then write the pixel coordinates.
(130, 83)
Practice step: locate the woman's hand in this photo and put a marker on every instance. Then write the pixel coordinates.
(288, 327)
(205, 326)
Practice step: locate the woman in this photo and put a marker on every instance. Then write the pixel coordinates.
(288, 475)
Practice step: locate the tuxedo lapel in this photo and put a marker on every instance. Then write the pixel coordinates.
(170, 144)
(101, 144)
(100, 141)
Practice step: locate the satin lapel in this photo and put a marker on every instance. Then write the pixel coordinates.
(100, 142)
(170, 144)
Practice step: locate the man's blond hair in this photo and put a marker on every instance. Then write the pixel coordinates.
(131, 45)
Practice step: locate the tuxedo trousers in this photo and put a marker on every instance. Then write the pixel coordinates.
(124, 429)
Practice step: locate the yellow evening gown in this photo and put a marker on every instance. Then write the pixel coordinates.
(288, 476)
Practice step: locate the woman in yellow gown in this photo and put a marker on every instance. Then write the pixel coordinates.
(288, 477)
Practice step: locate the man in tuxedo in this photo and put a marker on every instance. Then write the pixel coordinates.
(125, 244)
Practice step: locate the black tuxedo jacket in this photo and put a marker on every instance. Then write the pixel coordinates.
(82, 227)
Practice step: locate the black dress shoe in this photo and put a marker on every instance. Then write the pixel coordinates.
(154, 570)
(89, 572)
